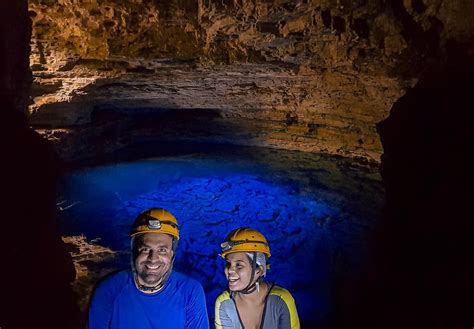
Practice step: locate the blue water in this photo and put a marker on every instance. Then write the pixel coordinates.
(309, 225)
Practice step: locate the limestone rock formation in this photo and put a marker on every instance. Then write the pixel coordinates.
(15, 74)
(307, 75)
(87, 255)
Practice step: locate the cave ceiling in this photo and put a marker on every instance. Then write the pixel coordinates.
(305, 75)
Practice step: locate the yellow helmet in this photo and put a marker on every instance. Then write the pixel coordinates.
(156, 220)
(246, 240)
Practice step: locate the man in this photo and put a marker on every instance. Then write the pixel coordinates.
(151, 295)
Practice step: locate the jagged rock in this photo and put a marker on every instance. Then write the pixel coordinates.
(91, 261)
(308, 75)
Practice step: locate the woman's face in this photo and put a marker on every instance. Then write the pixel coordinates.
(238, 271)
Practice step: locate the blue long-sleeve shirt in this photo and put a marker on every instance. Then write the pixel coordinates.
(118, 304)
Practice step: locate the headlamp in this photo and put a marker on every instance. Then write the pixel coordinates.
(228, 245)
(154, 224)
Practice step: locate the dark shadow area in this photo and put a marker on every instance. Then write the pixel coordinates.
(424, 258)
(37, 273)
(36, 269)
(161, 124)
(89, 129)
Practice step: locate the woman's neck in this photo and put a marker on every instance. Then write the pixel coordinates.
(256, 296)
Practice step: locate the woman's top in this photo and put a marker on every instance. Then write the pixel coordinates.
(279, 311)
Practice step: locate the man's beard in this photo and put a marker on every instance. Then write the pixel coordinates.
(152, 279)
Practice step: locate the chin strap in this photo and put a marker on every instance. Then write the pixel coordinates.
(143, 288)
(252, 287)
(159, 286)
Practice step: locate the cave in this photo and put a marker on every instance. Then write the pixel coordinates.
(342, 130)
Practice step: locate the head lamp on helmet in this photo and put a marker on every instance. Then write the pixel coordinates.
(156, 220)
(255, 246)
(245, 240)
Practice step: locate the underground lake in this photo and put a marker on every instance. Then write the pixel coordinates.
(317, 212)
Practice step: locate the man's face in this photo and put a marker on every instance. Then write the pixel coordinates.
(238, 271)
(153, 254)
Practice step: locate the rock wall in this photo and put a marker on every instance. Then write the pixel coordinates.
(427, 173)
(29, 176)
(15, 74)
(306, 75)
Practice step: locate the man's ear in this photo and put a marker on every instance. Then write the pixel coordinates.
(259, 270)
(174, 246)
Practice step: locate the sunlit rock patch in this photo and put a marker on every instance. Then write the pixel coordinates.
(91, 261)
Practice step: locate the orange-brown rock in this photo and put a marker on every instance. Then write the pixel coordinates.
(307, 75)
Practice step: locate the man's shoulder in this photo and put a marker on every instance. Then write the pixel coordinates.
(111, 286)
(115, 279)
(184, 280)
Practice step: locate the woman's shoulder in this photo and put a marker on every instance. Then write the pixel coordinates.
(281, 292)
(283, 301)
(225, 295)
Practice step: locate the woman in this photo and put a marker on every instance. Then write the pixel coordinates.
(251, 302)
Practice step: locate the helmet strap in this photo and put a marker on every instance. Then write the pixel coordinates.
(159, 286)
(147, 289)
(252, 287)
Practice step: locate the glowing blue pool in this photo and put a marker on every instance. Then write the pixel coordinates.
(316, 211)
